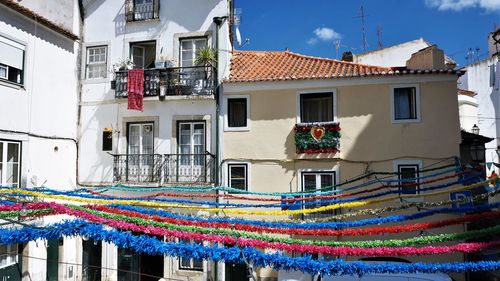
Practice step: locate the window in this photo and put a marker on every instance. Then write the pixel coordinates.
(189, 48)
(238, 176)
(139, 10)
(140, 158)
(96, 62)
(143, 54)
(406, 104)
(11, 61)
(8, 255)
(237, 112)
(315, 181)
(408, 177)
(316, 107)
(10, 163)
(492, 75)
(190, 264)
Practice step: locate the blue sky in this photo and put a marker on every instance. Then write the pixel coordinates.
(311, 27)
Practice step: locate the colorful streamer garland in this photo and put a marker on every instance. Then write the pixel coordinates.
(152, 246)
(242, 212)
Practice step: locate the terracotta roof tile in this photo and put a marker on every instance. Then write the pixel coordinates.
(253, 66)
(466, 93)
(42, 20)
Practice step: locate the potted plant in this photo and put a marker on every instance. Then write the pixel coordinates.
(123, 64)
(206, 57)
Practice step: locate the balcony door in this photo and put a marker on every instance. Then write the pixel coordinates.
(192, 148)
(140, 152)
(10, 163)
(313, 182)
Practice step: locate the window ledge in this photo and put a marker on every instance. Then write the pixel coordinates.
(13, 85)
(402, 121)
(236, 129)
(144, 21)
(95, 81)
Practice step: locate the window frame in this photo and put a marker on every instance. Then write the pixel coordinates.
(192, 39)
(397, 164)
(418, 111)
(12, 259)
(87, 63)
(6, 67)
(226, 113)
(8, 40)
(141, 125)
(238, 164)
(317, 91)
(4, 157)
(318, 172)
(191, 262)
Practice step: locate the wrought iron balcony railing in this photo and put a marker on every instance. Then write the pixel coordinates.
(175, 81)
(140, 10)
(165, 169)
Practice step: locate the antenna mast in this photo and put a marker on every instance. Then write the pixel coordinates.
(363, 16)
(379, 37)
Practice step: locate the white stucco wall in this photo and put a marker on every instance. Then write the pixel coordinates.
(392, 56)
(477, 79)
(45, 106)
(100, 109)
(468, 111)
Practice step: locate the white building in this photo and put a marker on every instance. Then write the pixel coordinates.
(39, 49)
(396, 55)
(173, 140)
(483, 79)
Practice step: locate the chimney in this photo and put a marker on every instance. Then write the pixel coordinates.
(428, 58)
(347, 56)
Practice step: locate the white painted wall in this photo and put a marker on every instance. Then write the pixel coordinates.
(468, 111)
(100, 109)
(396, 55)
(46, 105)
(477, 79)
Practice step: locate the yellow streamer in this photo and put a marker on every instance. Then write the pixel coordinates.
(239, 211)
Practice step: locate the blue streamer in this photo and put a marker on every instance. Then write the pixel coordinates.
(278, 261)
(246, 205)
(318, 225)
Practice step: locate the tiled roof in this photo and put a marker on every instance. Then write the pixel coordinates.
(40, 19)
(254, 66)
(466, 93)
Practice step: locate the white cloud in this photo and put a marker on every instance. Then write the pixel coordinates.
(326, 34)
(323, 34)
(458, 5)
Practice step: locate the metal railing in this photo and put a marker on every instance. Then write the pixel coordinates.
(165, 169)
(142, 10)
(175, 81)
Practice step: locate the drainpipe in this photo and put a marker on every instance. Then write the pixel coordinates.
(218, 22)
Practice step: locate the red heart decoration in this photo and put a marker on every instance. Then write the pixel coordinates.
(318, 133)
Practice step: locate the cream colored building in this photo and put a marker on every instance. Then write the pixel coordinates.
(390, 119)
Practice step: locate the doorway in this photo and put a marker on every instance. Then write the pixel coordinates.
(91, 260)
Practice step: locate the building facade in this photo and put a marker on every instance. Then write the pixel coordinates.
(38, 134)
(364, 118)
(171, 139)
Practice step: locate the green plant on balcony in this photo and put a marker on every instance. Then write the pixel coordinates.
(206, 57)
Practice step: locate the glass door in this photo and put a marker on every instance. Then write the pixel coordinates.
(191, 159)
(10, 163)
(140, 152)
(315, 181)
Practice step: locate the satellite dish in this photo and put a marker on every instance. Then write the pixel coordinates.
(238, 36)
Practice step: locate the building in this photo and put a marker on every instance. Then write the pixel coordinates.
(397, 119)
(397, 55)
(172, 138)
(482, 78)
(38, 133)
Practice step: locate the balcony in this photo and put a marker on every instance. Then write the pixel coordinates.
(164, 168)
(176, 81)
(142, 10)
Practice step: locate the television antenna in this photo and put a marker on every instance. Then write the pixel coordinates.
(362, 16)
